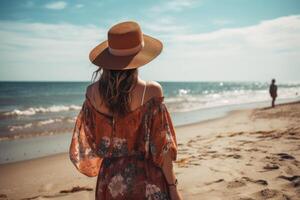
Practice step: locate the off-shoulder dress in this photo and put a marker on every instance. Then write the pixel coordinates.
(126, 153)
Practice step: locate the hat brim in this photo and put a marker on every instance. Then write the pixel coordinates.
(101, 56)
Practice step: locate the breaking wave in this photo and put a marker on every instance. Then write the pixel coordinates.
(35, 110)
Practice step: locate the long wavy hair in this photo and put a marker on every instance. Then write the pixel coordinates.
(115, 88)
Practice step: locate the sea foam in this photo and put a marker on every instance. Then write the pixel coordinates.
(33, 111)
(184, 101)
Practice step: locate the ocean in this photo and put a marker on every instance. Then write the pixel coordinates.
(37, 118)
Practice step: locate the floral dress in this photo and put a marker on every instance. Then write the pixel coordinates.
(126, 153)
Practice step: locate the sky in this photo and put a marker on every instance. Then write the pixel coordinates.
(204, 40)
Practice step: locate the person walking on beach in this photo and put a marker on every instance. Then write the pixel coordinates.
(124, 133)
(273, 92)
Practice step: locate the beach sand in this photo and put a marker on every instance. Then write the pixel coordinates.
(249, 154)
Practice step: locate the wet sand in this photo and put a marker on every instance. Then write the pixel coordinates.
(247, 155)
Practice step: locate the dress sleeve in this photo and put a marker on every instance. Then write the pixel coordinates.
(162, 135)
(82, 149)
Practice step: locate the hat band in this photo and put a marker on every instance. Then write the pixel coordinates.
(126, 52)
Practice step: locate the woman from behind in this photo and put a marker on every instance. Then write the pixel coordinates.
(124, 133)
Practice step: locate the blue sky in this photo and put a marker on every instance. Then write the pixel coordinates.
(204, 40)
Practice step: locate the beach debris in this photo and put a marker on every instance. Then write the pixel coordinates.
(294, 179)
(217, 181)
(260, 181)
(30, 198)
(76, 189)
(235, 156)
(271, 167)
(211, 151)
(44, 196)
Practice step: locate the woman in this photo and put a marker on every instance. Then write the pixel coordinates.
(124, 133)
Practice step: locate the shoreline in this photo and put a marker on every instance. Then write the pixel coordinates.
(179, 118)
(16, 150)
(239, 156)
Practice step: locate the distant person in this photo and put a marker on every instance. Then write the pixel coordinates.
(124, 133)
(273, 92)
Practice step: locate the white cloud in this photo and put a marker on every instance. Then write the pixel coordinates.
(174, 5)
(268, 49)
(276, 35)
(58, 5)
(164, 27)
(259, 52)
(79, 5)
(47, 48)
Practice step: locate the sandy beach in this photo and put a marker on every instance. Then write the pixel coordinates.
(247, 155)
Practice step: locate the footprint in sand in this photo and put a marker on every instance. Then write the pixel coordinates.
(61, 193)
(246, 198)
(294, 179)
(235, 184)
(231, 149)
(235, 134)
(183, 149)
(235, 156)
(285, 156)
(243, 142)
(267, 193)
(76, 189)
(252, 150)
(272, 194)
(293, 138)
(190, 143)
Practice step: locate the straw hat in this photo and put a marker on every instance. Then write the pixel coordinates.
(126, 48)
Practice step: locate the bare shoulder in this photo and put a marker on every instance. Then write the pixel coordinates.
(91, 89)
(154, 89)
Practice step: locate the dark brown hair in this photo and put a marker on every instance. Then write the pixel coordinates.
(115, 88)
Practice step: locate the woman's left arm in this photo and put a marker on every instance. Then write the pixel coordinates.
(167, 169)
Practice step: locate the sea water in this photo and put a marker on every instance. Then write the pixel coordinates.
(37, 118)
